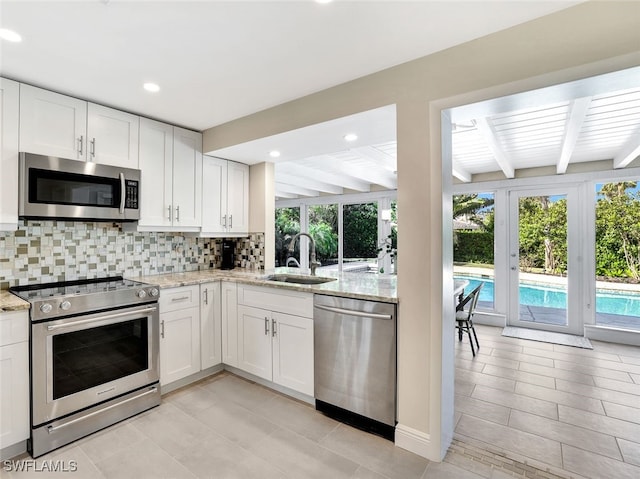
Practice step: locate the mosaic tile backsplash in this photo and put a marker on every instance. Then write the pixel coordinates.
(48, 251)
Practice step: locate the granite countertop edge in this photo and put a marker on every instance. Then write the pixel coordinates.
(349, 285)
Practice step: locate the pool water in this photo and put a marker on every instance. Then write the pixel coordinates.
(625, 304)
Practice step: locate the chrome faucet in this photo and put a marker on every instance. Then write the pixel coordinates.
(312, 261)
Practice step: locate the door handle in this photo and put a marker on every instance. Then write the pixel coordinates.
(162, 329)
(81, 144)
(178, 213)
(273, 328)
(266, 326)
(169, 209)
(93, 147)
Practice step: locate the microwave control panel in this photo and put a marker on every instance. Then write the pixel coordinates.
(131, 196)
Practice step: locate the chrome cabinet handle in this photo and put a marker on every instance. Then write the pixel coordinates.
(178, 213)
(266, 326)
(162, 329)
(230, 221)
(81, 144)
(224, 221)
(181, 298)
(206, 296)
(93, 147)
(273, 328)
(169, 209)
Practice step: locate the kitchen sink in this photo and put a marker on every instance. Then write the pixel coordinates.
(297, 278)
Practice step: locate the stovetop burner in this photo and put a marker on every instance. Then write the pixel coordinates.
(53, 300)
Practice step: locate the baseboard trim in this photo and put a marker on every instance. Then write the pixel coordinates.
(612, 335)
(167, 388)
(490, 319)
(271, 385)
(12, 451)
(417, 442)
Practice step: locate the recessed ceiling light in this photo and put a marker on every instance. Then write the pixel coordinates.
(10, 35)
(274, 154)
(351, 137)
(324, 1)
(152, 87)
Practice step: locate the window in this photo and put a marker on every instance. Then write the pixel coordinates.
(473, 243)
(323, 227)
(287, 226)
(360, 237)
(617, 252)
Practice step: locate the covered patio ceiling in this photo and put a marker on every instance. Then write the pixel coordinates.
(588, 120)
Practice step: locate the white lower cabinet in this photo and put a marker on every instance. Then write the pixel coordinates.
(229, 302)
(275, 345)
(179, 333)
(210, 325)
(14, 378)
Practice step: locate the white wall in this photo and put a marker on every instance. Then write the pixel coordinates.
(589, 39)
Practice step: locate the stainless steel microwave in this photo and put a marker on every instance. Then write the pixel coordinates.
(58, 188)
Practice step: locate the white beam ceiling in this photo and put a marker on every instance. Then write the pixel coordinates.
(489, 134)
(577, 115)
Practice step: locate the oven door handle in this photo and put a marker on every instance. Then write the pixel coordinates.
(53, 327)
(51, 429)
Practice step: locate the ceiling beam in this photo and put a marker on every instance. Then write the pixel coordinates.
(307, 182)
(379, 157)
(324, 176)
(461, 173)
(282, 194)
(298, 190)
(490, 135)
(629, 151)
(577, 114)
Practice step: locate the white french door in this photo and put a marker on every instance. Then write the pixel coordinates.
(544, 260)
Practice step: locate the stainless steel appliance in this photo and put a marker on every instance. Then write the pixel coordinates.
(228, 257)
(52, 187)
(355, 362)
(94, 356)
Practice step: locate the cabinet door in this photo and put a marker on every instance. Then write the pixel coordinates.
(52, 124)
(254, 341)
(293, 352)
(9, 119)
(238, 197)
(187, 178)
(229, 323)
(210, 325)
(14, 393)
(179, 344)
(113, 136)
(156, 163)
(214, 195)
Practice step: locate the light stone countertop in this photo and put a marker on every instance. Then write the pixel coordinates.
(368, 286)
(10, 302)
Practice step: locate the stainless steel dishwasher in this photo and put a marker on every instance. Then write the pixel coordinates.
(355, 362)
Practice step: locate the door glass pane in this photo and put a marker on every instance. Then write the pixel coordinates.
(287, 226)
(88, 358)
(618, 255)
(473, 244)
(542, 272)
(323, 227)
(360, 237)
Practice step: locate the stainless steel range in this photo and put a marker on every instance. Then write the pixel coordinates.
(94, 356)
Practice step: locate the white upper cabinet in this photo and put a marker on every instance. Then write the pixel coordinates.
(9, 111)
(113, 136)
(187, 177)
(225, 199)
(52, 124)
(156, 163)
(58, 125)
(238, 197)
(171, 164)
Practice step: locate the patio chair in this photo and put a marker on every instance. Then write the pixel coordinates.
(464, 316)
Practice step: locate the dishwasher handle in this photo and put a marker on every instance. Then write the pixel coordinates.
(353, 312)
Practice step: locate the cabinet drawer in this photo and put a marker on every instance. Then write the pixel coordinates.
(14, 327)
(174, 299)
(280, 300)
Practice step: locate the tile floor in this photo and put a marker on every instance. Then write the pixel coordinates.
(523, 409)
(575, 412)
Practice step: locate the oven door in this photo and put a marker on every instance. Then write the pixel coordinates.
(81, 361)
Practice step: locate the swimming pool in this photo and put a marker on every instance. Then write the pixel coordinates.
(609, 302)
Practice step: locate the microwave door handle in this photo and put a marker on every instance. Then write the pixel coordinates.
(122, 193)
